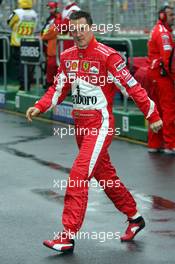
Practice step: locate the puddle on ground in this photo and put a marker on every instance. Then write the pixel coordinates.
(153, 202)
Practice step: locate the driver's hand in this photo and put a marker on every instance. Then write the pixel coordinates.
(32, 112)
(156, 126)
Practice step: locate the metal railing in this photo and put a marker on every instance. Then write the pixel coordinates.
(60, 46)
(38, 63)
(132, 15)
(6, 57)
(129, 56)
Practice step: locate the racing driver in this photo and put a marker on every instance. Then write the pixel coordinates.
(80, 70)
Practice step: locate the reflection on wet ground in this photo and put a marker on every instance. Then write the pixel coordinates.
(49, 195)
(135, 246)
(169, 233)
(49, 164)
(163, 220)
(31, 223)
(164, 164)
(23, 139)
(153, 202)
(160, 203)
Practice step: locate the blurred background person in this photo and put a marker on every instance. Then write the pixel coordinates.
(23, 22)
(49, 36)
(162, 88)
(70, 7)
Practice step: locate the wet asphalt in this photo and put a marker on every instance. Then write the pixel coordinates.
(32, 164)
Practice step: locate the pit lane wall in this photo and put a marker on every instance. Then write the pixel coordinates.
(131, 123)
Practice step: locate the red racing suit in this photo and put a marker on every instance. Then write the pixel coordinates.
(81, 70)
(162, 88)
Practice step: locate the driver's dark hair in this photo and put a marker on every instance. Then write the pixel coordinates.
(82, 14)
(164, 8)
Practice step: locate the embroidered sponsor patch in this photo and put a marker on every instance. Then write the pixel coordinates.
(165, 37)
(123, 71)
(90, 67)
(94, 70)
(68, 64)
(132, 82)
(95, 67)
(120, 67)
(72, 65)
(165, 40)
(86, 66)
(125, 74)
(167, 47)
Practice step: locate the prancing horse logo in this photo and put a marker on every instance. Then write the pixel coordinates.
(86, 65)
